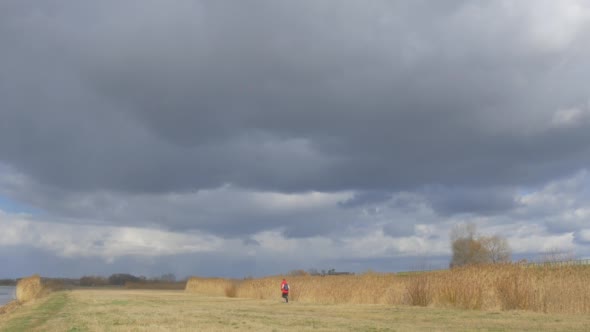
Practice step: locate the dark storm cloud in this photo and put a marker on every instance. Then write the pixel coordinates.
(230, 212)
(107, 109)
(218, 137)
(287, 96)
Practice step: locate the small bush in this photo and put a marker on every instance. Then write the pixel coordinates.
(231, 290)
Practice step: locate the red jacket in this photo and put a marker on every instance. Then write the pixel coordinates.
(285, 291)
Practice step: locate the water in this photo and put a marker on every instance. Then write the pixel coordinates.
(7, 294)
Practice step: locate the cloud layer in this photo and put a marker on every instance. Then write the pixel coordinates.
(374, 127)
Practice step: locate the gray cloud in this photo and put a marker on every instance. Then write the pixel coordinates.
(401, 113)
(399, 228)
(359, 237)
(582, 237)
(367, 197)
(195, 95)
(26, 261)
(448, 201)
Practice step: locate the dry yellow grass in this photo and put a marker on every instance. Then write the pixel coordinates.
(550, 289)
(28, 289)
(8, 307)
(156, 310)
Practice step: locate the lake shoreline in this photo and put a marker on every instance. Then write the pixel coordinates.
(7, 297)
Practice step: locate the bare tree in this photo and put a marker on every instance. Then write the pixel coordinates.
(497, 248)
(468, 251)
(470, 248)
(463, 231)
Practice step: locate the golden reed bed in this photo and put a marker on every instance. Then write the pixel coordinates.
(549, 289)
(29, 288)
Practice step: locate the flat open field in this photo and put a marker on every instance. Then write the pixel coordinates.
(153, 310)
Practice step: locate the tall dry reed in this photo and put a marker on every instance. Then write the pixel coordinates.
(29, 288)
(418, 290)
(377, 288)
(552, 289)
(209, 286)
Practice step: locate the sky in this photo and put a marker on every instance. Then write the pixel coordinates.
(249, 138)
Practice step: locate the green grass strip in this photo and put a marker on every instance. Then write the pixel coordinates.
(39, 315)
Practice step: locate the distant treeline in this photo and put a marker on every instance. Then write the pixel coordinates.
(316, 272)
(51, 281)
(117, 279)
(7, 282)
(121, 279)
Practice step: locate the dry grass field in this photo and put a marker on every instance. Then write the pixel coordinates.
(486, 298)
(161, 310)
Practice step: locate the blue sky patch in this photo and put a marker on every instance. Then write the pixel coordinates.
(10, 206)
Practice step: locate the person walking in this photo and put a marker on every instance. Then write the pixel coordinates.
(285, 290)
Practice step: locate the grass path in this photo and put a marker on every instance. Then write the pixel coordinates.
(37, 315)
(141, 310)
